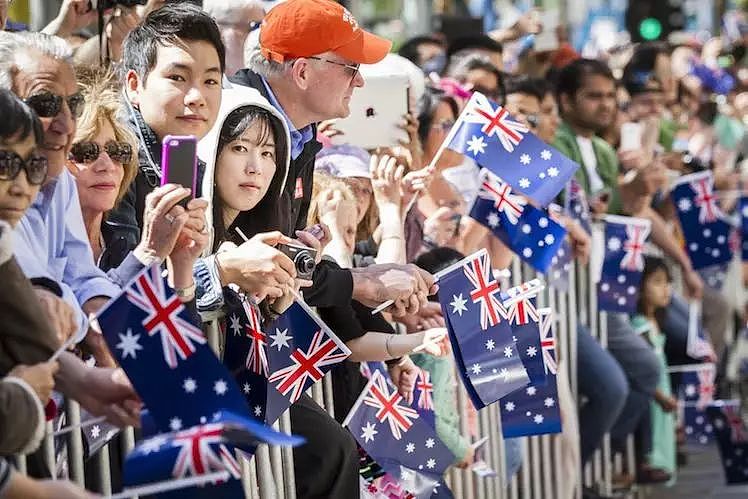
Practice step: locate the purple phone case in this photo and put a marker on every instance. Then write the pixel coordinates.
(169, 143)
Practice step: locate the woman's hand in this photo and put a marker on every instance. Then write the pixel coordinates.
(163, 221)
(40, 377)
(190, 245)
(280, 305)
(413, 144)
(414, 183)
(386, 177)
(404, 375)
(431, 341)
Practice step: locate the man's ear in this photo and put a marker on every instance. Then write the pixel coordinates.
(132, 88)
(300, 73)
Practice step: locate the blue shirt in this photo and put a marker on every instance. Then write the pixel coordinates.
(299, 138)
(51, 242)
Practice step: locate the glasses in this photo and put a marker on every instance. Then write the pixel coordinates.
(88, 152)
(49, 105)
(350, 68)
(11, 164)
(444, 126)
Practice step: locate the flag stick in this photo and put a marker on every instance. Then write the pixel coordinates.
(166, 486)
(68, 343)
(80, 425)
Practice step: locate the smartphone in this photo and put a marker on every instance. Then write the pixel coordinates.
(179, 162)
(631, 136)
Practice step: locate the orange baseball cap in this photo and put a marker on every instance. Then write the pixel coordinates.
(304, 28)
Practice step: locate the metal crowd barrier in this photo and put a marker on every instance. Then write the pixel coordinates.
(269, 474)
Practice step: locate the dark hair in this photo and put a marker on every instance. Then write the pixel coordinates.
(645, 55)
(409, 49)
(460, 65)
(572, 77)
(474, 42)
(166, 26)
(268, 215)
(431, 98)
(19, 120)
(523, 84)
(652, 264)
(438, 259)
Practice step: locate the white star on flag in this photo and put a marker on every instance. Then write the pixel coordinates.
(532, 351)
(152, 445)
(95, 431)
(258, 411)
(458, 304)
(549, 402)
(527, 252)
(545, 154)
(524, 183)
(538, 418)
(476, 368)
(505, 374)
(236, 325)
(280, 339)
(507, 352)
(368, 431)
(549, 239)
(431, 463)
(476, 145)
(430, 443)
(175, 424)
(509, 406)
(247, 388)
(525, 159)
(614, 244)
(490, 345)
(493, 220)
(553, 172)
(531, 390)
(410, 448)
(129, 344)
(220, 387)
(690, 390)
(189, 385)
(684, 204)
(542, 222)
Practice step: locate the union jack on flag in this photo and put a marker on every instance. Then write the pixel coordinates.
(520, 309)
(196, 457)
(178, 336)
(426, 389)
(257, 361)
(633, 247)
(399, 417)
(706, 387)
(486, 290)
(512, 205)
(735, 421)
(705, 199)
(548, 340)
(307, 365)
(494, 121)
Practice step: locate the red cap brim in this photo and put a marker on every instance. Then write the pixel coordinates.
(365, 49)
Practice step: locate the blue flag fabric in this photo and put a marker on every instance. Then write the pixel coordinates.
(706, 231)
(486, 133)
(423, 397)
(526, 230)
(695, 393)
(732, 438)
(479, 332)
(618, 289)
(743, 210)
(715, 276)
(576, 205)
(396, 438)
(561, 265)
(534, 410)
(524, 318)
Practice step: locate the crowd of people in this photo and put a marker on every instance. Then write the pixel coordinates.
(83, 210)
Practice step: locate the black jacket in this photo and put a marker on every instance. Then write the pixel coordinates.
(332, 286)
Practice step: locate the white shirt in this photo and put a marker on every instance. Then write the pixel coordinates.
(589, 162)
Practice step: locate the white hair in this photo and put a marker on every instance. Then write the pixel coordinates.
(15, 46)
(267, 68)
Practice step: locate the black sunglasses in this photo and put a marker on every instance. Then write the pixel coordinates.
(49, 105)
(88, 152)
(11, 164)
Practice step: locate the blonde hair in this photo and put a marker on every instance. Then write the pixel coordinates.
(103, 105)
(322, 183)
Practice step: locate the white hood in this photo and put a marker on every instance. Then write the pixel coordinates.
(207, 149)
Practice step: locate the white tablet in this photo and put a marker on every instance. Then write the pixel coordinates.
(376, 111)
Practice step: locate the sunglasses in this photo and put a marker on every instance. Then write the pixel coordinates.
(11, 164)
(88, 152)
(49, 105)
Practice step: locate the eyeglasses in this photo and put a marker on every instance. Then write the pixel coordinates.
(49, 105)
(88, 152)
(11, 164)
(444, 125)
(352, 69)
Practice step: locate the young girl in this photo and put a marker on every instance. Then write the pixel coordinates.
(659, 454)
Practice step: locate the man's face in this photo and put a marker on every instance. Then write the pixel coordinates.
(647, 105)
(39, 74)
(549, 119)
(594, 105)
(331, 82)
(484, 82)
(426, 51)
(182, 93)
(525, 109)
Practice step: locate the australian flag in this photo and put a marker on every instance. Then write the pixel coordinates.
(534, 410)
(392, 433)
(486, 133)
(704, 226)
(576, 205)
(561, 265)
(479, 331)
(732, 438)
(743, 208)
(623, 263)
(524, 318)
(301, 350)
(695, 393)
(528, 231)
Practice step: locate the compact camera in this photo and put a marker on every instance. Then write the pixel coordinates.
(302, 257)
(109, 4)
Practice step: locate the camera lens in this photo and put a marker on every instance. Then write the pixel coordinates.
(304, 263)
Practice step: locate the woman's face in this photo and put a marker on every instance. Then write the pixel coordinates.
(441, 123)
(17, 194)
(361, 188)
(657, 289)
(245, 169)
(98, 180)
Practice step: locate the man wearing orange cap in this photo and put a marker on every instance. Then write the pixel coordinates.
(307, 67)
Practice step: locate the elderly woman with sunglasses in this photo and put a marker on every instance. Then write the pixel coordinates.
(103, 161)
